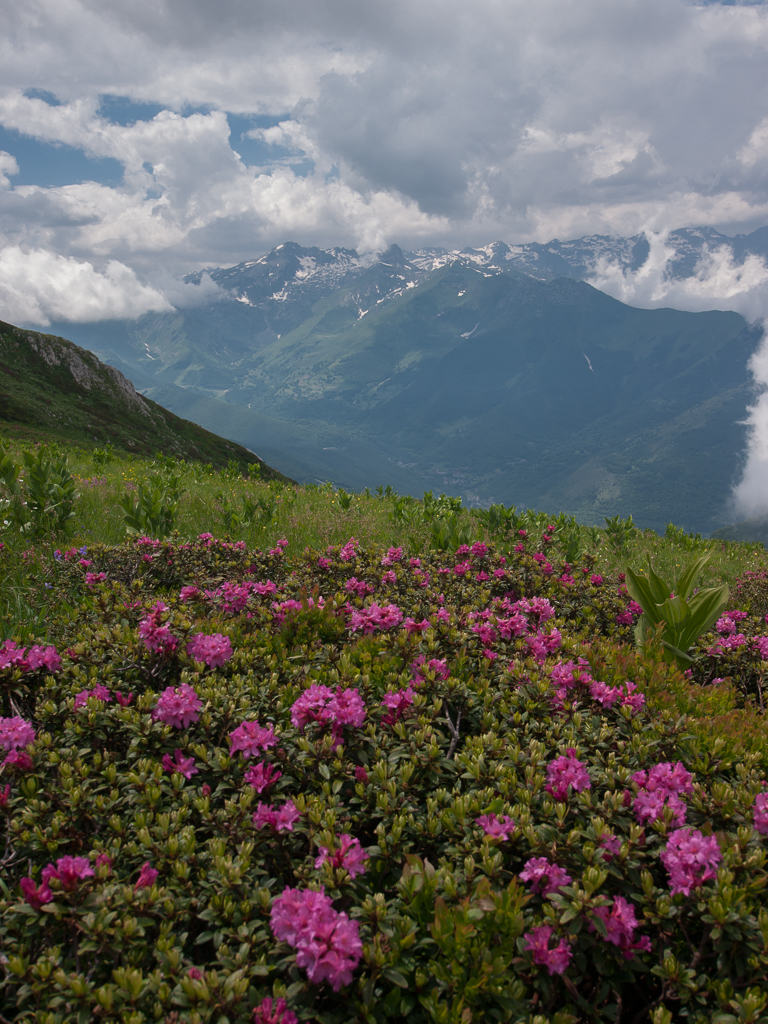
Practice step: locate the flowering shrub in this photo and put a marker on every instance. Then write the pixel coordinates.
(467, 800)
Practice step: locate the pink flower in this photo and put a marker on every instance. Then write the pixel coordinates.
(497, 828)
(324, 563)
(566, 772)
(650, 806)
(397, 701)
(320, 704)
(555, 960)
(544, 877)
(178, 706)
(361, 775)
(13, 656)
(123, 701)
(359, 587)
(312, 706)
(68, 871)
(195, 974)
(348, 708)
(611, 846)
(604, 695)
(691, 859)
(486, 633)
(35, 896)
(437, 666)
(147, 877)
(4, 795)
(183, 765)
(620, 922)
(44, 657)
(660, 788)
(479, 549)
(281, 820)
(261, 776)
(348, 855)
(15, 733)
(328, 944)
(630, 699)
(411, 626)
(19, 759)
(250, 737)
(104, 861)
(265, 1014)
(189, 594)
(667, 777)
(393, 555)
(347, 553)
(157, 637)
(375, 618)
(760, 818)
(99, 692)
(213, 649)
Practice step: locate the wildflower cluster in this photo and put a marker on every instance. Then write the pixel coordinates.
(327, 943)
(369, 785)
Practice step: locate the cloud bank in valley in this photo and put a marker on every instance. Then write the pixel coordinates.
(718, 282)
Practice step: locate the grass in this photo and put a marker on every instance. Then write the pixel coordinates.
(315, 517)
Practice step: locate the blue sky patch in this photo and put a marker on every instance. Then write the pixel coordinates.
(51, 165)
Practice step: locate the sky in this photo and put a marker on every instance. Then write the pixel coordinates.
(140, 141)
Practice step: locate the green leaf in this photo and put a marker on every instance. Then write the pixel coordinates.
(640, 590)
(674, 611)
(659, 589)
(683, 660)
(395, 977)
(706, 607)
(685, 583)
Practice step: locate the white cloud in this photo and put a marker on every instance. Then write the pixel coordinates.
(750, 496)
(8, 167)
(718, 281)
(522, 120)
(37, 287)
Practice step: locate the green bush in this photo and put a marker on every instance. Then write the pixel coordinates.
(681, 613)
(462, 714)
(154, 511)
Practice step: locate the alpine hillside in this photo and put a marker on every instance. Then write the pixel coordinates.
(495, 373)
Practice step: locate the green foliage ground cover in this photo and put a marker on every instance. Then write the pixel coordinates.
(467, 709)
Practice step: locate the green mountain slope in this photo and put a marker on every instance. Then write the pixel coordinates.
(52, 389)
(495, 385)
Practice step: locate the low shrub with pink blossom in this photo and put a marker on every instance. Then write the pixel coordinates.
(357, 785)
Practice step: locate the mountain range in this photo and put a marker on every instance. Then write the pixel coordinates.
(496, 373)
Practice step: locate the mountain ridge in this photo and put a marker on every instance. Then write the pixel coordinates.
(480, 370)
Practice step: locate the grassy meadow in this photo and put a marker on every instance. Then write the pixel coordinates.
(213, 501)
(285, 754)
